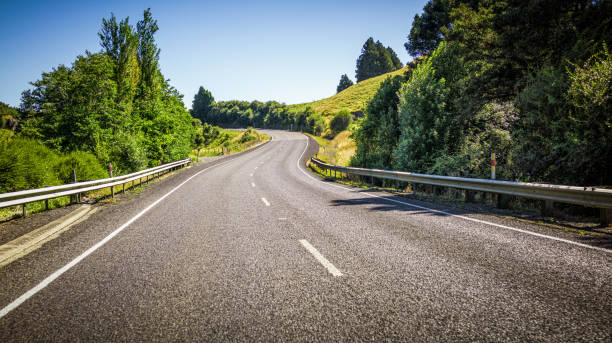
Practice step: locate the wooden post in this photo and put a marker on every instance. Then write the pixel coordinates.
(469, 195)
(605, 216)
(547, 208)
(110, 174)
(503, 201)
(25, 212)
(74, 198)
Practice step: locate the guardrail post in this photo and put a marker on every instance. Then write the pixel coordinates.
(605, 216)
(25, 211)
(503, 201)
(110, 174)
(47, 205)
(547, 208)
(469, 195)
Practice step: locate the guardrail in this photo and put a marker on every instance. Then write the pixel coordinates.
(585, 196)
(76, 189)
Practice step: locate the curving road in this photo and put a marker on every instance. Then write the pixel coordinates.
(256, 248)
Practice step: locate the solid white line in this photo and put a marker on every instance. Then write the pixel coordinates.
(265, 201)
(252, 184)
(330, 267)
(456, 215)
(44, 283)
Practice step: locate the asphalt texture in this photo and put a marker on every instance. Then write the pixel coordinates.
(221, 259)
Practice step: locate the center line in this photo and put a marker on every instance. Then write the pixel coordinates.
(265, 201)
(252, 184)
(330, 267)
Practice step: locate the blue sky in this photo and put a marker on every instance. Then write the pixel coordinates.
(291, 52)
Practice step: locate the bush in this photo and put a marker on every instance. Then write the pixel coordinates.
(127, 154)
(26, 164)
(85, 164)
(341, 121)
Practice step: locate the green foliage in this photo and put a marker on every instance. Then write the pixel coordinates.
(114, 104)
(426, 32)
(24, 164)
(379, 132)
(85, 165)
(202, 103)
(345, 83)
(340, 121)
(375, 60)
(429, 124)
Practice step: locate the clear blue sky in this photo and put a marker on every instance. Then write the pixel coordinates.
(287, 51)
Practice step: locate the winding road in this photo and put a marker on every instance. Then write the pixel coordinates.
(255, 247)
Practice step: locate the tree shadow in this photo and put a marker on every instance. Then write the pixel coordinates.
(598, 236)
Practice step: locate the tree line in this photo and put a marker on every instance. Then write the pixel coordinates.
(528, 80)
(112, 106)
(270, 114)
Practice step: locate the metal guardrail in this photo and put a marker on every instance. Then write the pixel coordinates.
(585, 196)
(46, 193)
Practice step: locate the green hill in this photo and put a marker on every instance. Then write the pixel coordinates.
(353, 98)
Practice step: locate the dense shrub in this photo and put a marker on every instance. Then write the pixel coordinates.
(26, 163)
(340, 121)
(85, 164)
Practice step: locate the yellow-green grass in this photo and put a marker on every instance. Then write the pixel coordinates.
(231, 146)
(353, 98)
(338, 150)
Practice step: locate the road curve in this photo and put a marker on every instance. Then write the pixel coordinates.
(255, 248)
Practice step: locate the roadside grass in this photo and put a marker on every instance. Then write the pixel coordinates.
(353, 98)
(339, 150)
(231, 142)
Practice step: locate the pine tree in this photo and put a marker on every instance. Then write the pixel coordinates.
(375, 60)
(345, 83)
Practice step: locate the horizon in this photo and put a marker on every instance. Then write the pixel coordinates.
(236, 50)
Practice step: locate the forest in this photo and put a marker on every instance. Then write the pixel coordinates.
(112, 106)
(530, 81)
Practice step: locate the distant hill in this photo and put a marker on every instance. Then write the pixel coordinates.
(353, 98)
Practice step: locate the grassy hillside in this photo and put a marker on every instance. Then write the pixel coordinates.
(353, 98)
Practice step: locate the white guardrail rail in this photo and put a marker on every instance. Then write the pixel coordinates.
(585, 196)
(77, 188)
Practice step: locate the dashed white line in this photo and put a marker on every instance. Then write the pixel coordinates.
(256, 167)
(251, 174)
(252, 184)
(265, 201)
(330, 267)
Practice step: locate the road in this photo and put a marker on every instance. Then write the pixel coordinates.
(256, 248)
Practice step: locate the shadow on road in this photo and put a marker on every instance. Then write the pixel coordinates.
(591, 233)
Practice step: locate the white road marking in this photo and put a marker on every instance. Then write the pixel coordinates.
(330, 267)
(251, 174)
(252, 184)
(256, 167)
(44, 283)
(454, 215)
(265, 201)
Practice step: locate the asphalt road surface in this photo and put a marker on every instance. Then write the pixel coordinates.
(256, 248)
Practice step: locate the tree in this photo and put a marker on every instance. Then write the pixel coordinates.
(426, 31)
(345, 83)
(340, 121)
(148, 53)
(202, 104)
(375, 60)
(379, 132)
